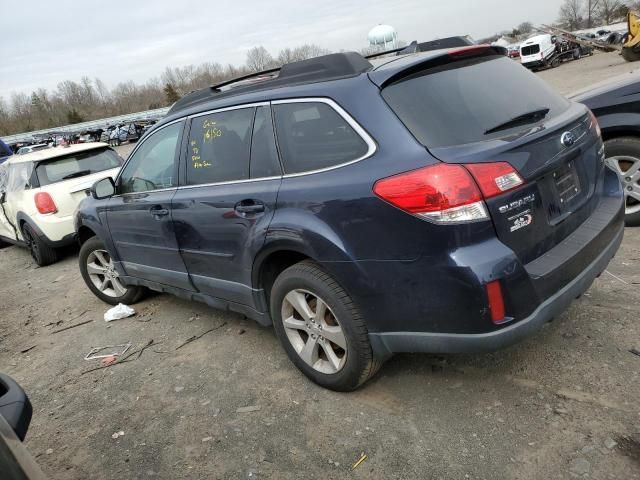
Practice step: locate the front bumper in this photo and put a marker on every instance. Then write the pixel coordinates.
(395, 342)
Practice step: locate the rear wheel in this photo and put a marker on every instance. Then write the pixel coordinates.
(321, 329)
(623, 156)
(41, 253)
(98, 272)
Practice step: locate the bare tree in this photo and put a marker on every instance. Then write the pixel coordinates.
(592, 11)
(571, 14)
(525, 28)
(258, 59)
(610, 10)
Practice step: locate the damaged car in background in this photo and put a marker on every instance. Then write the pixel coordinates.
(40, 191)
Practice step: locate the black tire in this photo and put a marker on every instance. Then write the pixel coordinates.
(133, 293)
(626, 147)
(41, 253)
(360, 363)
(630, 54)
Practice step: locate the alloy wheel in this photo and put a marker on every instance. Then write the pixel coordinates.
(628, 170)
(314, 331)
(103, 274)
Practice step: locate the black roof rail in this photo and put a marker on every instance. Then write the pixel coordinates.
(318, 69)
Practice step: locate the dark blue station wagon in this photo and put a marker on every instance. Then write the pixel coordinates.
(444, 201)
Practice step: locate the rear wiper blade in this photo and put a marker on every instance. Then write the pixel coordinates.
(80, 173)
(524, 119)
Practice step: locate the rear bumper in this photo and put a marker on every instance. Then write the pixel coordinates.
(392, 342)
(535, 64)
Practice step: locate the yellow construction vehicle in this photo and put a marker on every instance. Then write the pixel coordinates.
(631, 47)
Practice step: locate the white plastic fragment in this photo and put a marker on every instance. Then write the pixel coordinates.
(118, 312)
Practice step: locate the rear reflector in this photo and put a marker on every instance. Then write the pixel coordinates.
(496, 302)
(441, 193)
(44, 203)
(495, 178)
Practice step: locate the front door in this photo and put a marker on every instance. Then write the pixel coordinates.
(140, 214)
(221, 215)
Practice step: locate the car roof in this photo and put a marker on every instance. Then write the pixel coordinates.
(50, 153)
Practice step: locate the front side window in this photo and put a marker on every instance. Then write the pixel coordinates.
(76, 165)
(312, 136)
(219, 147)
(152, 166)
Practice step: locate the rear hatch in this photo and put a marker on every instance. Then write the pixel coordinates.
(476, 106)
(69, 178)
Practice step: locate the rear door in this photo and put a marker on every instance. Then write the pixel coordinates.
(139, 215)
(231, 179)
(482, 108)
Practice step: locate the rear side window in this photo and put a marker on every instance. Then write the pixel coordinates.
(219, 147)
(76, 165)
(312, 136)
(458, 103)
(530, 50)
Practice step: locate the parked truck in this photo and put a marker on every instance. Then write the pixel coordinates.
(546, 50)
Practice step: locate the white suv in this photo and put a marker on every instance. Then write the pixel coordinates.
(40, 191)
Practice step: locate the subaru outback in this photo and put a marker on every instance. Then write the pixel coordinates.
(443, 201)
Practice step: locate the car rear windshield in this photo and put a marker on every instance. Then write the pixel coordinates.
(460, 102)
(531, 49)
(76, 165)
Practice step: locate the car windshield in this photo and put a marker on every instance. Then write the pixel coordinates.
(76, 165)
(475, 95)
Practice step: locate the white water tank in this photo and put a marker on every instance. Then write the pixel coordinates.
(383, 35)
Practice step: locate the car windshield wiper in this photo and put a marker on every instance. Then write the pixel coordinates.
(524, 119)
(80, 173)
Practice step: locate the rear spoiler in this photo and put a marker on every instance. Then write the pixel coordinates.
(406, 66)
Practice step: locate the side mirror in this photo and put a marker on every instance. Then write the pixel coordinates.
(15, 406)
(104, 188)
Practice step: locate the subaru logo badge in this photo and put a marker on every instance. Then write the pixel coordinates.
(568, 139)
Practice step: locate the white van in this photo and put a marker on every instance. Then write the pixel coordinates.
(538, 51)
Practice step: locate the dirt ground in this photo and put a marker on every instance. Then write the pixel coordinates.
(563, 404)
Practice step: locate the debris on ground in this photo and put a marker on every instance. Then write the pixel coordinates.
(610, 443)
(71, 326)
(580, 466)
(118, 312)
(251, 408)
(117, 434)
(110, 360)
(242, 331)
(635, 351)
(113, 351)
(196, 337)
(363, 457)
(125, 359)
(28, 349)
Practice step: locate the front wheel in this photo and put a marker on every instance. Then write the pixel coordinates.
(321, 329)
(98, 272)
(623, 156)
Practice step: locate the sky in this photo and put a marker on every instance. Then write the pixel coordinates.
(43, 43)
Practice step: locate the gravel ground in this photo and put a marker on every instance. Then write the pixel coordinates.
(563, 404)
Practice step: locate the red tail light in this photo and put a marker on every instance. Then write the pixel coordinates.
(441, 193)
(495, 178)
(496, 301)
(447, 193)
(595, 124)
(44, 203)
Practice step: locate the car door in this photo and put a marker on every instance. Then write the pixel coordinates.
(6, 229)
(139, 215)
(231, 179)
